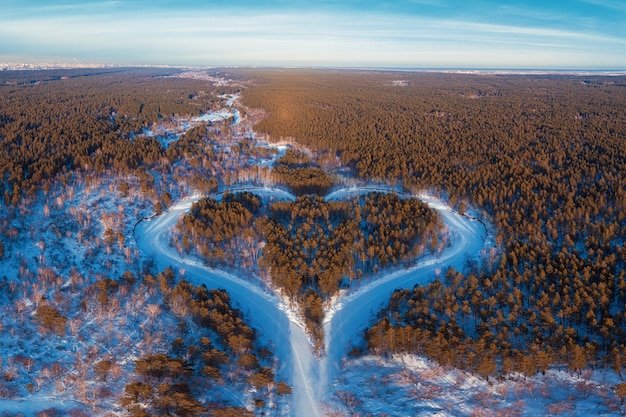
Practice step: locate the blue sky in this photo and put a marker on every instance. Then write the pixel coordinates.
(548, 34)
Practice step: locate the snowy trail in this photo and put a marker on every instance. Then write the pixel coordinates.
(35, 404)
(354, 311)
(346, 318)
(264, 309)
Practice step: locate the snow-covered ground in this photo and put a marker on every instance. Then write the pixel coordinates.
(279, 151)
(346, 318)
(168, 134)
(409, 385)
(36, 404)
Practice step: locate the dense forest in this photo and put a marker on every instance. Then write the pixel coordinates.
(311, 243)
(542, 157)
(221, 231)
(298, 172)
(310, 248)
(91, 120)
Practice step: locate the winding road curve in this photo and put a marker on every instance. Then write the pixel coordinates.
(309, 375)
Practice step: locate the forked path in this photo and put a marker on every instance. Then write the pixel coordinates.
(310, 376)
(355, 310)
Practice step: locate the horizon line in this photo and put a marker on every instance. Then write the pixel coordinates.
(44, 66)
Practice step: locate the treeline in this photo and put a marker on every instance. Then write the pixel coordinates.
(52, 123)
(542, 156)
(298, 172)
(311, 243)
(191, 145)
(307, 245)
(220, 230)
(451, 322)
(314, 247)
(311, 247)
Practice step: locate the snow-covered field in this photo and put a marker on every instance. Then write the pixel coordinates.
(407, 385)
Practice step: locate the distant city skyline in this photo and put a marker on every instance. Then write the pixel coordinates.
(560, 35)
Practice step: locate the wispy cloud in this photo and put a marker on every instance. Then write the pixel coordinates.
(617, 5)
(82, 6)
(437, 3)
(313, 37)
